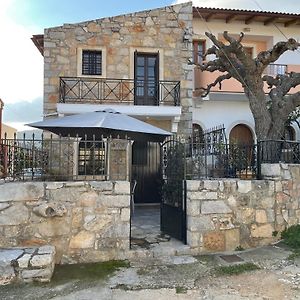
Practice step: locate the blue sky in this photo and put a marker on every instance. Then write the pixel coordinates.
(21, 65)
(48, 13)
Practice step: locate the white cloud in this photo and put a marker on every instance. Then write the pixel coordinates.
(21, 65)
(266, 5)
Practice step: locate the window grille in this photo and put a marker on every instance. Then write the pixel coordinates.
(91, 160)
(91, 62)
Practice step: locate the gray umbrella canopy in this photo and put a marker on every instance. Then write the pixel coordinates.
(103, 123)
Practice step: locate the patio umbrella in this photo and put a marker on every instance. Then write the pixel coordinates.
(103, 123)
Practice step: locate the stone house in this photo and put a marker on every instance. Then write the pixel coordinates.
(137, 64)
(140, 64)
(124, 62)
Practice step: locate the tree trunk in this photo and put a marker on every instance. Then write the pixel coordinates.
(269, 125)
(260, 112)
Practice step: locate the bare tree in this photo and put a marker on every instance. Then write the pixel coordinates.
(271, 110)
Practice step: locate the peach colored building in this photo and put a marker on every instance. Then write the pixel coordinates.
(229, 106)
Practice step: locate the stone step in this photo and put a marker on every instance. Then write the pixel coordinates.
(163, 249)
(26, 264)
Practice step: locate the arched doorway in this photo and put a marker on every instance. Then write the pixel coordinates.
(289, 133)
(241, 155)
(241, 134)
(198, 136)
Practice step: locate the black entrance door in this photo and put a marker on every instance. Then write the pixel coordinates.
(146, 172)
(173, 205)
(146, 79)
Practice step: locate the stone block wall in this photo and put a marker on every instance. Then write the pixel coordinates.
(227, 213)
(26, 264)
(85, 221)
(166, 30)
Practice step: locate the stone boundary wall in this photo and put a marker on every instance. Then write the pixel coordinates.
(226, 213)
(85, 221)
(26, 264)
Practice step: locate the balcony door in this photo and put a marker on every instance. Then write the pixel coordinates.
(146, 78)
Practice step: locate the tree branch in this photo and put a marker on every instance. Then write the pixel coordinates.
(231, 58)
(232, 40)
(270, 80)
(295, 99)
(282, 84)
(219, 81)
(213, 65)
(264, 58)
(216, 42)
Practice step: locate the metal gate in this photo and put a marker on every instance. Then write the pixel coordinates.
(146, 172)
(173, 205)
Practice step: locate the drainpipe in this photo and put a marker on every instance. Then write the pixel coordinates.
(1, 109)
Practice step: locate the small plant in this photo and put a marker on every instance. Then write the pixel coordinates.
(291, 236)
(239, 248)
(181, 290)
(236, 269)
(294, 255)
(275, 233)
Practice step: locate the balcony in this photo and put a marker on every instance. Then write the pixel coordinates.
(275, 69)
(202, 79)
(119, 91)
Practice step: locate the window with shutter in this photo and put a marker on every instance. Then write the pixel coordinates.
(198, 51)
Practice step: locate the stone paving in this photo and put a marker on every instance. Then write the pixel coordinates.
(145, 228)
(180, 277)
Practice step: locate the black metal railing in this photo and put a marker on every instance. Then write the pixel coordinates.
(275, 69)
(199, 160)
(221, 160)
(116, 91)
(56, 158)
(274, 151)
(68, 158)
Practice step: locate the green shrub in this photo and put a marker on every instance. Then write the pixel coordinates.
(291, 236)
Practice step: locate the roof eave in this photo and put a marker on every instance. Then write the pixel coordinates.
(38, 40)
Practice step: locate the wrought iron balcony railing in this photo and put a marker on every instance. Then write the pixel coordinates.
(119, 91)
(275, 69)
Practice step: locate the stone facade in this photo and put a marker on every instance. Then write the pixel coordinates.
(85, 221)
(166, 30)
(227, 213)
(26, 264)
